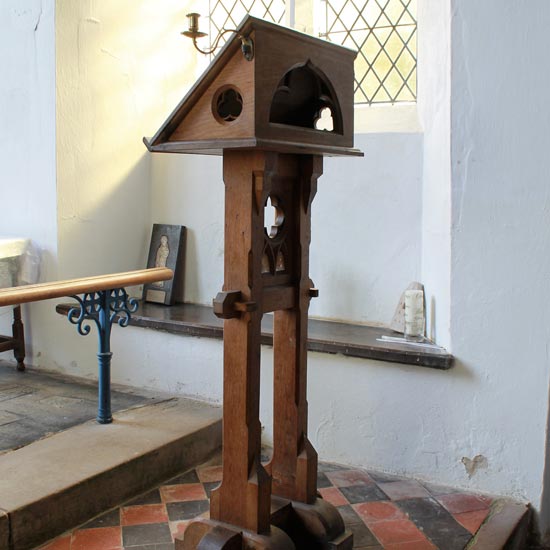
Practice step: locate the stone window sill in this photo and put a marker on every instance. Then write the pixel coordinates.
(324, 336)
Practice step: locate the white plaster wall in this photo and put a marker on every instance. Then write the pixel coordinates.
(500, 268)
(366, 228)
(434, 107)
(188, 190)
(27, 118)
(120, 66)
(27, 141)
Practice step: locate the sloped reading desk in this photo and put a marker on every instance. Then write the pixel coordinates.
(264, 116)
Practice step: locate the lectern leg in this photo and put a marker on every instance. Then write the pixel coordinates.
(240, 508)
(243, 499)
(294, 462)
(314, 523)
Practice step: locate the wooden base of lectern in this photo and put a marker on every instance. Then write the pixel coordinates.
(294, 526)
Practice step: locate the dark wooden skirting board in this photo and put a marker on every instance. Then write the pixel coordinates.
(324, 336)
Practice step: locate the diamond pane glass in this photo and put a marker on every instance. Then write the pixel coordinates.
(227, 14)
(384, 34)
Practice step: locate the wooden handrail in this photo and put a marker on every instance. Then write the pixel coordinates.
(58, 289)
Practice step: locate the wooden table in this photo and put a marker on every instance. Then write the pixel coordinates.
(16, 341)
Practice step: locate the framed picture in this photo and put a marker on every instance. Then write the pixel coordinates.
(167, 249)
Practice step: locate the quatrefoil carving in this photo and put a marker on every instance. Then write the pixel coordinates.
(228, 105)
(274, 217)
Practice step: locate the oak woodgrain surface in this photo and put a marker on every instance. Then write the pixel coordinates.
(58, 289)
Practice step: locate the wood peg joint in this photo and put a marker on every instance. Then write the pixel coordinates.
(229, 305)
(246, 307)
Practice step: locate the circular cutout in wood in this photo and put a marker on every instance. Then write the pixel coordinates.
(228, 105)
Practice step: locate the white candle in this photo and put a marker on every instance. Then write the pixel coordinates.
(414, 313)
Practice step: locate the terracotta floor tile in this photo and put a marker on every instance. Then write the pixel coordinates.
(182, 493)
(488, 500)
(396, 531)
(102, 538)
(416, 545)
(60, 543)
(346, 478)
(437, 524)
(460, 502)
(139, 515)
(370, 512)
(400, 490)
(472, 520)
(155, 519)
(333, 496)
(211, 473)
(177, 528)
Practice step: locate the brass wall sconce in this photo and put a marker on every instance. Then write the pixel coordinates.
(247, 45)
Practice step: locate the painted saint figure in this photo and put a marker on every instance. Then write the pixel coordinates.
(163, 251)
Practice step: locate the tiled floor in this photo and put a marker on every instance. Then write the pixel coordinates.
(384, 512)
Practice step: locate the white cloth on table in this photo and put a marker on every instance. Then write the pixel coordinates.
(19, 262)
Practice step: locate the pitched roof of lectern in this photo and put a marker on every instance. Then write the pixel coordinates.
(279, 96)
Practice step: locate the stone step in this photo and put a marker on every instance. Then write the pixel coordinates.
(61, 481)
(506, 528)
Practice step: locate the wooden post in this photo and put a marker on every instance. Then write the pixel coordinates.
(18, 332)
(243, 499)
(294, 462)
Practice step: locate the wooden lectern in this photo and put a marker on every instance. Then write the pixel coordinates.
(263, 114)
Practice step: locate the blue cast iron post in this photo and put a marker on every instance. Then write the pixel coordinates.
(104, 355)
(104, 308)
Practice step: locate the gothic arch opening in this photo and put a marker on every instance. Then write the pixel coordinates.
(304, 97)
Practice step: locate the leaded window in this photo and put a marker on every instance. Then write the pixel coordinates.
(384, 34)
(229, 13)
